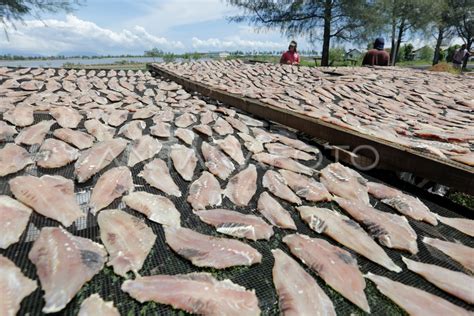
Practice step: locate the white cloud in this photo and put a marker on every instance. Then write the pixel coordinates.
(234, 43)
(164, 15)
(73, 34)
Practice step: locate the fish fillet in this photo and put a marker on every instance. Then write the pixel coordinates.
(66, 117)
(185, 135)
(6, 131)
(184, 161)
(453, 282)
(14, 217)
(161, 129)
(237, 124)
(157, 208)
(157, 174)
(305, 187)
(459, 252)
(128, 240)
(14, 287)
(298, 293)
(403, 203)
(462, 224)
(97, 158)
(231, 146)
(100, 131)
(297, 144)
(242, 187)
(64, 263)
(78, 139)
(414, 301)
(133, 130)
(144, 148)
(110, 186)
(276, 184)
(216, 161)
(236, 224)
(336, 266)
(198, 293)
(185, 120)
(347, 232)
(20, 116)
(467, 159)
(205, 191)
(208, 251)
(51, 196)
(253, 145)
(274, 212)
(54, 153)
(392, 231)
(222, 127)
(95, 305)
(34, 134)
(13, 158)
(289, 152)
(345, 182)
(283, 163)
(116, 118)
(203, 129)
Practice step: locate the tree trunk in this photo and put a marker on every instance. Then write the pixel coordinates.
(466, 59)
(327, 33)
(439, 40)
(401, 30)
(392, 48)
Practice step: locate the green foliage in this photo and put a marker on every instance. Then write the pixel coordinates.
(336, 54)
(451, 51)
(426, 53)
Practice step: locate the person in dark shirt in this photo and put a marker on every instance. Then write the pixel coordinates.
(291, 56)
(377, 56)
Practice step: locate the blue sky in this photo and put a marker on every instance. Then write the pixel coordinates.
(127, 26)
(130, 27)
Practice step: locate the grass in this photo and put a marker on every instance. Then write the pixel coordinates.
(462, 199)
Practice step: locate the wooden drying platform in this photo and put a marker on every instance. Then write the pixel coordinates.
(391, 156)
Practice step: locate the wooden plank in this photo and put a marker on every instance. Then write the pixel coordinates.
(390, 155)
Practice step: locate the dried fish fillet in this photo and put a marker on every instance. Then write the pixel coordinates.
(415, 301)
(128, 240)
(157, 174)
(205, 191)
(97, 158)
(185, 291)
(14, 217)
(298, 292)
(78, 139)
(184, 161)
(242, 187)
(95, 305)
(274, 212)
(157, 208)
(64, 263)
(13, 158)
(208, 251)
(14, 287)
(51, 196)
(110, 186)
(459, 252)
(345, 182)
(276, 184)
(54, 153)
(236, 224)
(34, 134)
(142, 149)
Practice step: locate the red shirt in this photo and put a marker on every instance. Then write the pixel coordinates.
(290, 58)
(376, 57)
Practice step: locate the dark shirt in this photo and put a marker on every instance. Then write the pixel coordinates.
(376, 57)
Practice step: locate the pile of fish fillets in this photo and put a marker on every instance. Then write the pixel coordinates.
(220, 154)
(429, 112)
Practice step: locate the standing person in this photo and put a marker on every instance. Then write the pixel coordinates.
(377, 56)
(459, 56)
(291, 57)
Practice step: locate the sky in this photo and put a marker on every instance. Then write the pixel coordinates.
(114, 27)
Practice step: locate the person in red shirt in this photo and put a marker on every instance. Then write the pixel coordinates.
(377, 56)
(291, 56)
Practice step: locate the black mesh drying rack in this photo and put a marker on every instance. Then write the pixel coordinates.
(162, 260)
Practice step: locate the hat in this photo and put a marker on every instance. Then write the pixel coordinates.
(379, 43)
(293, 43)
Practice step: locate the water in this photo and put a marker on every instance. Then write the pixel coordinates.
(57, 63)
